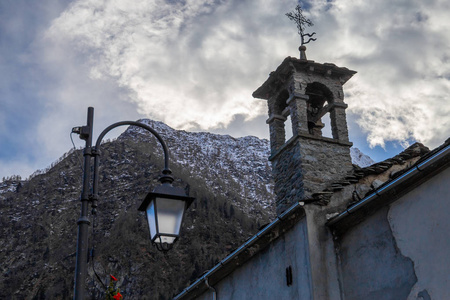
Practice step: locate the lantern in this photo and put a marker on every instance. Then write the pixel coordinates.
(165, 208)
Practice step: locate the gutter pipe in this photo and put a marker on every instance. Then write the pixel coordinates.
(239, 250)
(379, 192)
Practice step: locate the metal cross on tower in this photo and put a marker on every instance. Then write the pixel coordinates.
(301, 21)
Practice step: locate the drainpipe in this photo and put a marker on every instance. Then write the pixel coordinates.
(211, 288)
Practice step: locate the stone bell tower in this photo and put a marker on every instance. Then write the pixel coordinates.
(305, 91)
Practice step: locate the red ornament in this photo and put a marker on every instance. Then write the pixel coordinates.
(113, 278)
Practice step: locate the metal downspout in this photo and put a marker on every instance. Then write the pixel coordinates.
(211, 288)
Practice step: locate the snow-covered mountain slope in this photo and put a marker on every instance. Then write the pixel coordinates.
(359, 158)
(225, 162)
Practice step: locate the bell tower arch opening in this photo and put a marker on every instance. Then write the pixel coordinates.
(279, 120)
(283, 110)
(318, 106)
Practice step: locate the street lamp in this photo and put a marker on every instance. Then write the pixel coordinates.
(164, 207)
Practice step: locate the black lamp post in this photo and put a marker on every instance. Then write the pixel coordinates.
(165, 206)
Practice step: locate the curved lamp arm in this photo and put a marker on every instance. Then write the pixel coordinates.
(166, 172)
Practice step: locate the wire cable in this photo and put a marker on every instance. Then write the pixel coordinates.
(92, 252)
(75, 150)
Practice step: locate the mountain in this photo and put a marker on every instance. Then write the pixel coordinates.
(223, 161)
(359, 158)
(230, 178)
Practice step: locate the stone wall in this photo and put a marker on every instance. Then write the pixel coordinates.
(288, 176)
(305, 165)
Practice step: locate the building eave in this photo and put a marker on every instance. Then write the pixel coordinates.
(425, 168)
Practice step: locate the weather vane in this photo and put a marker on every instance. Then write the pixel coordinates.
(301, 21)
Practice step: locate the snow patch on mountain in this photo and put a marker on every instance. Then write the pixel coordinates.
(359, 158)
(225, 162)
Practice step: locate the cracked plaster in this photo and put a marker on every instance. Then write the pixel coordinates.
(420, 225)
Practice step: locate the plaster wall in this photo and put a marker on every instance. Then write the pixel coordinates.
(420, 223)
(264, 275)
(401, 252)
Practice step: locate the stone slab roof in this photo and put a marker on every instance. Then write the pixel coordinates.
(401, 182)
(291, 64)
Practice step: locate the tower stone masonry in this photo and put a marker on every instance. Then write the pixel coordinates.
(304, 92)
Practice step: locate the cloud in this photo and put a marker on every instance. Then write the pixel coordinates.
(190, 64)
(194, 65)
(401, 91)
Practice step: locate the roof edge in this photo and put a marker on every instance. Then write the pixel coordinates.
(264, 237)
(392, 190)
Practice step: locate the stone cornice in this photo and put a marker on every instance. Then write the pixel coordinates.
(275, 117)
(300, 136)
(292, 64)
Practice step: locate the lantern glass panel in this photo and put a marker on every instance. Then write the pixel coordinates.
(170, 215)
(151, 217)
(165, 239)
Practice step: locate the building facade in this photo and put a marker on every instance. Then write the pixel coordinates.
(342, 232)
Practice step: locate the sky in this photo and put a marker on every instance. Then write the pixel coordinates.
(194, 65)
